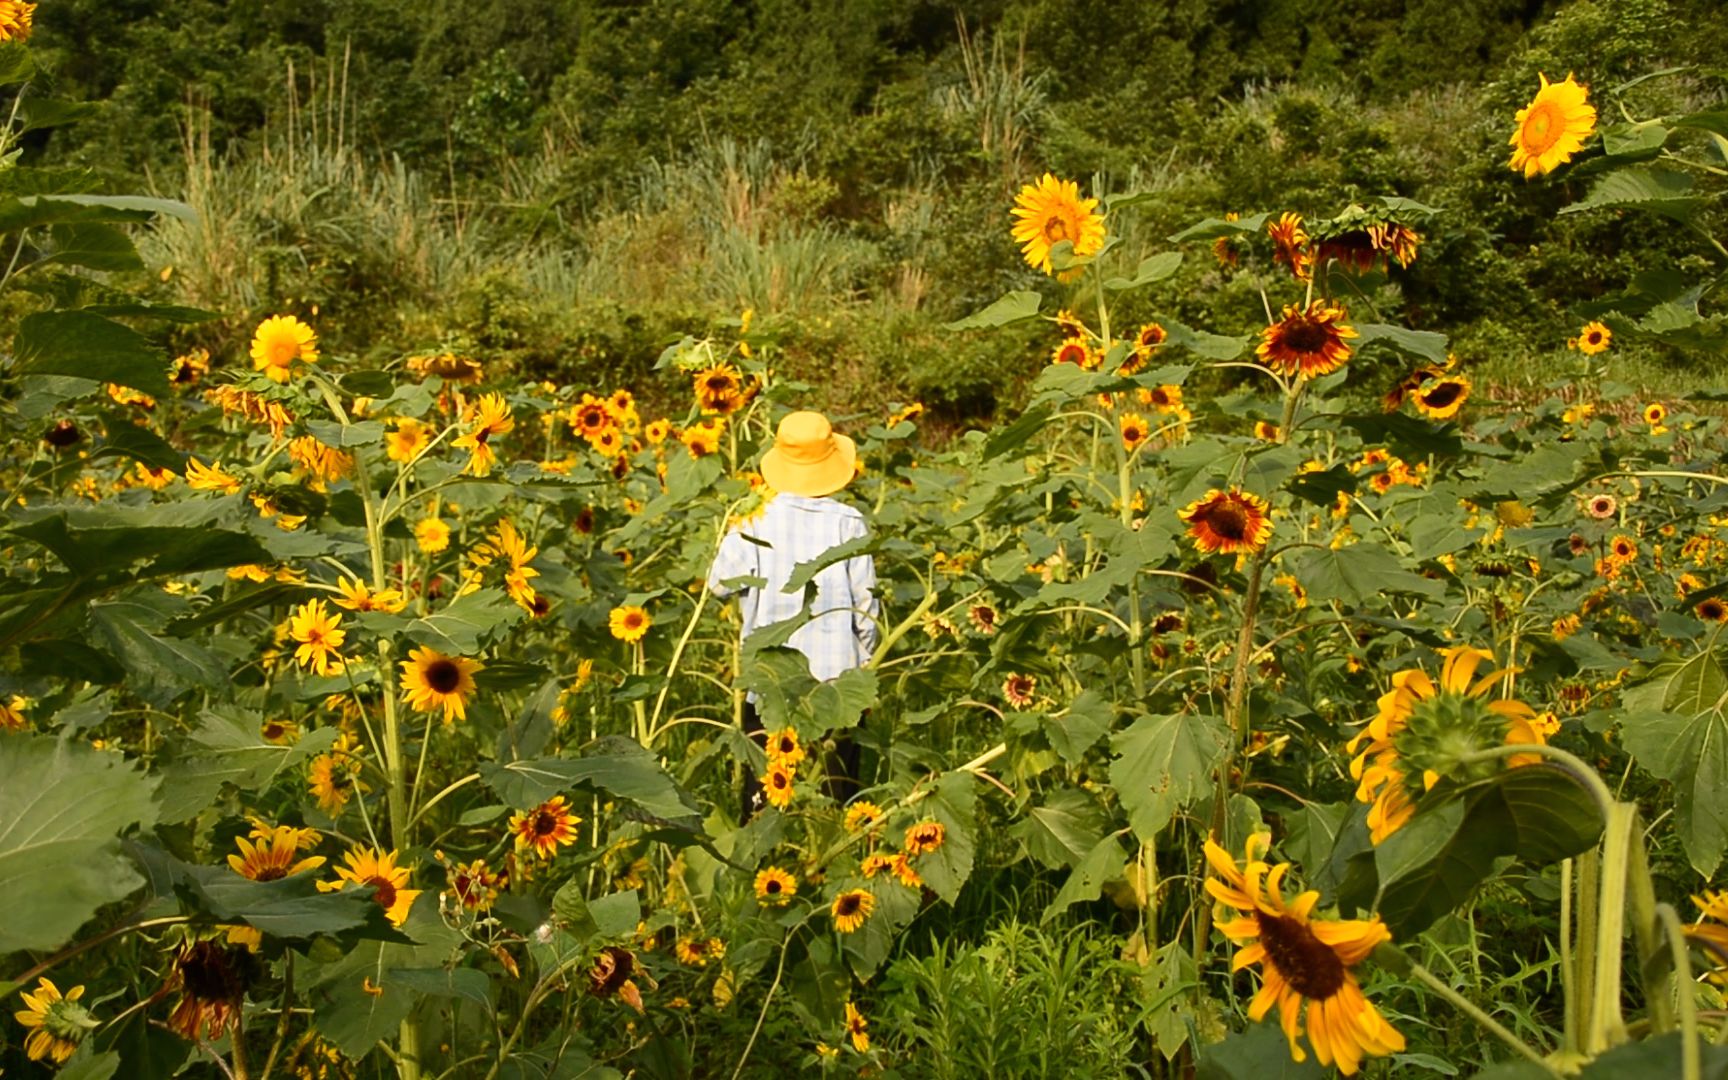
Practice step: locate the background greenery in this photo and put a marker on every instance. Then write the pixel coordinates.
(572, 183)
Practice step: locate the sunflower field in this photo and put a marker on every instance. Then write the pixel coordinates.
(1268, 694)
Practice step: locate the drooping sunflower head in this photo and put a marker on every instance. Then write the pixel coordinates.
(851, 908)
(1228, 522)
(1290, 244)
(213, 979)
(924, 837)
(15, 25)
(1306, 343)
(611, 976)
(1049, 212)
(57, 1022)
(629, 623)
(1552, 127)
(1440, 399)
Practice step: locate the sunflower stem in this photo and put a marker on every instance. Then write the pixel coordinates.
(1690, 1064)
(1469, 1008)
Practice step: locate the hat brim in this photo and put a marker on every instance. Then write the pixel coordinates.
(813, 479)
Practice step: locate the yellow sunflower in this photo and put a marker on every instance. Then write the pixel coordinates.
(545, 828)
(1594, 338)
(188, 369)
(857, 1028)
(432, 535)
(704, 438)
(629, 623)
(1018, 689)
(202, 477)
(862, 815)
(1552, 127)
(279, 732)
(1306, 343)
(1419, 727)
(274, 855)
(406, 439)
(1655, 413)
(431, 680)
(775, 887)
(924, 837)
(57, 1022)
(656, 431)
(333, 778)
(320, 636)
(1228, 522)
(279, 343)
(377, 870)
(1134, 430)
(1306, 964)
(1712, 610)
(486, 419)
(1440, 399)
(1167, 399)
(1622, 550)
(901, 865)
(1290, 244)
(1051, 211)
(783, 748)
(319, 461)
(777, 785)
(357, 597)
(1075, 351)
(851, 908)
(719, 389)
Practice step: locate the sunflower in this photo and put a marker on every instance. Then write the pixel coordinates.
(1228, 522)
(472, 884)
(407, 439)
(610, 976)
(862, 815)
(1712, 610)
(1167, 399)
(983, 618)
(851, 908)
(1594, 338)
(1075, 351)
(1019, 688)
(279, 732)
(1304, 961)
(629, 623)
(704, 438)
(901, 865)
(1442, 398)
(460, 370)
(213, 979)
(57, 1022)
(487, 418)
(15, 16)
(1552, 127)
(274, 855)
(777, 785)
(857, 1028)
(125, 395)
(431, 680)
(202, 477)
(608, 442)
(1134, 430)
(322, 463)
(334, 777)
(357, 597)
(924, 837)
(696, 951)
(1655, 413)
(253, 407)
(320, 636)
(1306, 343)
(377, 870)
(775, 887)
(1622, 549)
(719, 389)
(1049, 212)
(545, 828)
(1421, 728)
(1290, 244)
(432, 535)
(783, 748)
(1069, 325)
(657, 431)
(279, 342)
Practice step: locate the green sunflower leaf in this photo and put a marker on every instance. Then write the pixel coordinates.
(1164, 763)
(1013, 308)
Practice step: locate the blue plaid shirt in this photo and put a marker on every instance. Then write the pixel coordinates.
(795, 529)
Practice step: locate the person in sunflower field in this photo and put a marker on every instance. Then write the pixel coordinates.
(808, 463)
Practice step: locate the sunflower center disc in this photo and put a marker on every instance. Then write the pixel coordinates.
(443, 676)
(1228, 521)
(1308, 964)
(384, 891)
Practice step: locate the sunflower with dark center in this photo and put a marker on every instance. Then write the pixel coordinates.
(213, 979)
(432, 681)
(1712, 610)
(1306, 343)
(375, 869)
(924, 837)
(1290, 244)
(1166, 399)
(1069, 325)
(983, 618)
(783, 748)
(1601, 507)
(610, 976)
(1228, 522)
(279, 732)
(629, 623)
(777, 785)
(275, 855)
(63, 434)
(546, 828)
(719, 389)
(1622, 549)
(1594, 338)
(1307, 964)
(1073, 351)
(862, 815)
(1018, 689)
(1442, 398)
(1134, 431)
(473, 885)
(1655, 413)
(190, 368)
(486, 420)
(775, 887)
(857, 1029)
(851, 908)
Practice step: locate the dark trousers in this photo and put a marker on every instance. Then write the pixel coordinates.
(839, 768)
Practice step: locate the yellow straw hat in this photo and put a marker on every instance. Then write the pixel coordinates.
(809, 457)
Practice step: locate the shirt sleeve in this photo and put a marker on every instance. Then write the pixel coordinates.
(735, 559)
(861, 575)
